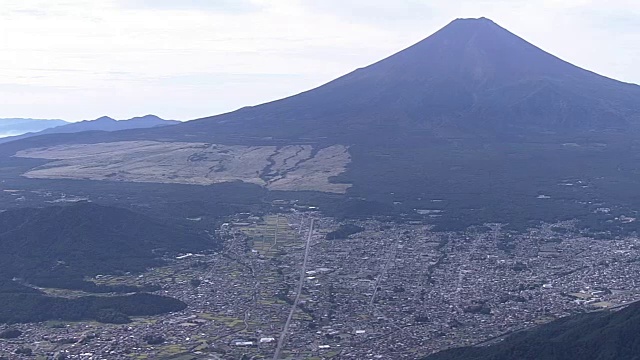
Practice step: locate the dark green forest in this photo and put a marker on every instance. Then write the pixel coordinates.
(34, 307)
(58, 246)
(344, 231)
(607, 335)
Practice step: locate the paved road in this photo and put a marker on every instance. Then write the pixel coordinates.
(387, 264)
(275, 236)
(303, 273)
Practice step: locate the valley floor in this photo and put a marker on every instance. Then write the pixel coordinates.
(393, 291)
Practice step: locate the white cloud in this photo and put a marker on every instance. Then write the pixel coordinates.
(224, 6)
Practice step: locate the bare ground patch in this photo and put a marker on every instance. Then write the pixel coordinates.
(292, 167)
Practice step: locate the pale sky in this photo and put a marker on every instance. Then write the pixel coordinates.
(185, 59)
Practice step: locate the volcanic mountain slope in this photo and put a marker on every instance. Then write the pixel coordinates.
(595, 336)
(472, 115)
(471, 75)
(473, 121)
(470, 78)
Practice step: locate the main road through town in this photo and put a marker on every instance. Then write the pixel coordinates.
(303, 272)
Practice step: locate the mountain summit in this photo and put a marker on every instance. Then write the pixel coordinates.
(470, 75)
(106, 123)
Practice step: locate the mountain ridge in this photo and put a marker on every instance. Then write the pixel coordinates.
(602, 335)
(103, 123)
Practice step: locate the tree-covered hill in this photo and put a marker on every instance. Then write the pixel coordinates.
(33, 307)
(611, 335)
(60, 245)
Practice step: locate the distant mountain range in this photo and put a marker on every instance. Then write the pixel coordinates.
(15, 126)
(15, 129)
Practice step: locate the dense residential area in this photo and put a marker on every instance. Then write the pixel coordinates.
(391, 291)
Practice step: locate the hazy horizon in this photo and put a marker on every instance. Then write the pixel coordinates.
(183, 60)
